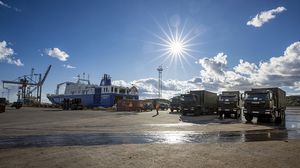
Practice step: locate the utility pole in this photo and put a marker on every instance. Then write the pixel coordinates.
(160, 69)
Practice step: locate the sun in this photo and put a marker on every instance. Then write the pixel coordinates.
(176, 48)
(174, 44)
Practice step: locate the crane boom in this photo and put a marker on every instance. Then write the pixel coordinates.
(46, 74)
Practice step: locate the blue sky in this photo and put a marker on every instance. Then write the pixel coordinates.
(116, 37)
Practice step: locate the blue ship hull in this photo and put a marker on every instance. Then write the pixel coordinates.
(92, 100)
(105, 95)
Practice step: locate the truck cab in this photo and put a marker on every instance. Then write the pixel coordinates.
(229, 102)
(265, 103)
(188, 103)
(175, 104)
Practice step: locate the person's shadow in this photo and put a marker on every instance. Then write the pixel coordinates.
(155, 115)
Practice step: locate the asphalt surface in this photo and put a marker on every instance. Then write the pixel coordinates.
(37, 127)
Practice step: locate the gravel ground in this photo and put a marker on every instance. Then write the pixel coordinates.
(252, 154)
(37, 121)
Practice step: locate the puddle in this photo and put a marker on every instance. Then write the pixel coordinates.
(168, 137)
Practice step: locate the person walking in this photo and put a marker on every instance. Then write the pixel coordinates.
(156, 106)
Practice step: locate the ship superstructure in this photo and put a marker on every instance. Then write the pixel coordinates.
(105, 94)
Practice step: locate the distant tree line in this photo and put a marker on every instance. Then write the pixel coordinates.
(293, 100)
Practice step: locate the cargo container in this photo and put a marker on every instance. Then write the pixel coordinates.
(199, 102)
(265, 103)
(130, 105)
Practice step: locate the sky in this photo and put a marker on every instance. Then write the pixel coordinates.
(228, 45)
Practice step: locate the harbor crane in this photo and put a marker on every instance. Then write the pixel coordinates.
(28, 84)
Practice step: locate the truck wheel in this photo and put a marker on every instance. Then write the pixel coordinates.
(221, 115)
(273, 118)
(171, 110)
(283, 116)
(239, 113)
(236, 115)
(249, 117)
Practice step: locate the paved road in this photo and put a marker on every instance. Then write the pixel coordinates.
(35, 127)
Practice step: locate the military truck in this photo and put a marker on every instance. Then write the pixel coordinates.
(265, 103)
(2, 104)
(230, 103)
(175, 104)
(199, 102)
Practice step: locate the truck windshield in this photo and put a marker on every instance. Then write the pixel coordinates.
(187, 98)
(175, 100)
(256, 96)
(228, 98)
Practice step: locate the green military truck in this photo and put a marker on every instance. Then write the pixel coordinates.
(199, 102)
(230, 103)
(2, 104)
(175, 104)
(265, 103)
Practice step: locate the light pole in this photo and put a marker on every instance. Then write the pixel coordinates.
(160, 69)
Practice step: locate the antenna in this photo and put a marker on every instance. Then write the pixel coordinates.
(160, 69)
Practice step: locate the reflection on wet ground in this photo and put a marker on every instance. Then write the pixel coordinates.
(289, 130)
(171, 137)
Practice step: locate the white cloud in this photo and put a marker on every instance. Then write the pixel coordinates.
(68, 66)
(57, 53)
(281, 71)
(277, 71)
(8, 6)
(6, 54)
(4, 4)
(265, 16)
(214, 66)
(245, 67)
(15, 61)
(215, 76)
(148, 87)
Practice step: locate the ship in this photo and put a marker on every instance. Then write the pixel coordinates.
(91, 95)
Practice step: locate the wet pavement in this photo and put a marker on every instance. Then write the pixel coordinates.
(165, 137)
(283, 132)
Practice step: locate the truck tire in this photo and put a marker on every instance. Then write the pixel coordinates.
(249, 117)
(273, 118)
(236, 115)
(239, 113)
(221, 115)
(283, 116)
(171, 110)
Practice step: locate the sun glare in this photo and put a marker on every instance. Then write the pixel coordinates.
(175, 44)
(176, 48)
